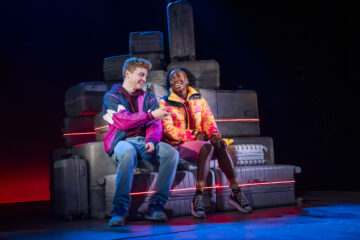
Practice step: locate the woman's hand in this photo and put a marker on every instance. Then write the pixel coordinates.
(201, 136)
(215, 141)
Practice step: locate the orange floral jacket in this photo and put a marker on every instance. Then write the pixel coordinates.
(176, 127)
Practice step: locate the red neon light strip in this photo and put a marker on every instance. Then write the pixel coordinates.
(79, 133)
(98, 128)
(239, 120)
(241, 185)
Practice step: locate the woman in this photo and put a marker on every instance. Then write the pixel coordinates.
(192, 130)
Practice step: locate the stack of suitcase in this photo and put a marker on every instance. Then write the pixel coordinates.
(236, 112)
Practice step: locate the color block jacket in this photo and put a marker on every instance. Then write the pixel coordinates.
(122, 119)
(176, 127)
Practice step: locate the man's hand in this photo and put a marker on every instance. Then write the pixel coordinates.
(215, 141)
(151, 148)
(161, 113)
(201, 136)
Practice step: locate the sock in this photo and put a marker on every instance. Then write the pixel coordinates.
(234, 184)
(200, 186)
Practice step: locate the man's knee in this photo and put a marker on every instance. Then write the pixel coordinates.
(125, 153)
(167, 151)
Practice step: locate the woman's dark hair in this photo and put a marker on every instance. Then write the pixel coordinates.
(189, 75)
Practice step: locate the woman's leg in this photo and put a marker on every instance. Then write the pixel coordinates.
(226, 164)
(203, 165)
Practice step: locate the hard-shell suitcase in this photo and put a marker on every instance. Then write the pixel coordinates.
(79, 130)
(113, 66)
(71, 188)
(263, 186)
(157, 59)
(57, 154)
(181, 194)
(82, 124)
(101, 127)
(100, 165)
(85, 98)
(206, 72)
(248, 154)
(157, 76)
(237, 113)
(183, 190)
(267, 142)
(144, 42)
(181, 31)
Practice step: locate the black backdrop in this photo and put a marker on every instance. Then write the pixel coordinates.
(300, 58)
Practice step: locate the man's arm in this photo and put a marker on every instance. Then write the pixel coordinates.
(116, 114)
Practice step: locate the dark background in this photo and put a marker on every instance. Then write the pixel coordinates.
(300, 58)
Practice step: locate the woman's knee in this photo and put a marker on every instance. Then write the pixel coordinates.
(207, 148)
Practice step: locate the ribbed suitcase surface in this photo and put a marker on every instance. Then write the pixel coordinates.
(180, 198)
(85, 98)
(264, 141)
(206, 72)
(264, 186)
(71, 188)
(100, 165)
(248, 154)
(143, 42)
(181, 31)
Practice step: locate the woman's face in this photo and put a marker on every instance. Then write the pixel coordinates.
(178, 81)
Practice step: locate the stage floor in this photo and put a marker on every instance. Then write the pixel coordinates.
(319, 215)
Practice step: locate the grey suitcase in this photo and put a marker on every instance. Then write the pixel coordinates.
(79, 130)
(144, 42)
(113, 66)
(181, 31)
(267, 142)
(237, 113)
(101, 127)
(74, 139)
(82, 124)
(206, 72)
(183, 190)
(180, 198)
(263, 185)
(85, 98)
(100, 165)
(157, 77)
(57, 154)
(157, 59)
(71, 188)
(248, 154)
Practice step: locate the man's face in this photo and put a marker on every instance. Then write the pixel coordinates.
(178, 81)
(137, 78)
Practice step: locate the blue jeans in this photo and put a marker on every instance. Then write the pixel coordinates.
(127, 153)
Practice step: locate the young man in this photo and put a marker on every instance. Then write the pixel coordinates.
(135, 131)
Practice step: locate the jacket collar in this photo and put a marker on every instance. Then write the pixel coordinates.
(176, 98)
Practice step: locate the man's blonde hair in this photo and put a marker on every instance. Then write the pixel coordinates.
(132, 63)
